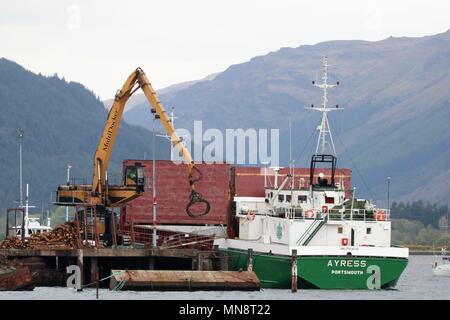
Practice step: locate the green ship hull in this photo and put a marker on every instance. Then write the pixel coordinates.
(322, 272)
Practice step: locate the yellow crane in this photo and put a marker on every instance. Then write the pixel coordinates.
(100, 193)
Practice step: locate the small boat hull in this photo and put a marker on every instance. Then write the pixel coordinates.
(15, 278)
(442, 270)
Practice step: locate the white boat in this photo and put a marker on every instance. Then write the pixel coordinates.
(441, 267)
(32, 225)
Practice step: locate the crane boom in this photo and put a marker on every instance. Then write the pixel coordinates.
(165, 120)
(100, 193)
(150, 93)
(109, 134)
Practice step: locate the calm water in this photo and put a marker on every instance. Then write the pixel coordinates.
(417, 282)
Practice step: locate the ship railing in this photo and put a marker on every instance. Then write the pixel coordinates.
(142, 236)
(290, 212)
(355, 214)
(377, 214)
(78, 181)
(115, 179)
(68, 200)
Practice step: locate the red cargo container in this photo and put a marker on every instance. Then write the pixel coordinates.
(172, 190)
(172, 194)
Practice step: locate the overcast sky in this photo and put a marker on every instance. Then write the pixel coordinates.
(98, 43)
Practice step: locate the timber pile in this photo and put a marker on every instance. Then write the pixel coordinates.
(12, 243)
(64, 235)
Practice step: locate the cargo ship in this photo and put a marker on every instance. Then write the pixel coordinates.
(339, 241)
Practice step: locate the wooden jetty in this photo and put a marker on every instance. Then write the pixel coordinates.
(48, 264)
(162, 280)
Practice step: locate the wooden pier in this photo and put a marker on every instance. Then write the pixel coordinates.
(48, 265)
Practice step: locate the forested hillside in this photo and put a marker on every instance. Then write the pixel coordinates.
(62, 122)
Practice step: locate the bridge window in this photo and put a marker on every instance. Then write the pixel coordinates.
(302, 199)
(281, 197)
(329, 199)
(288, 198)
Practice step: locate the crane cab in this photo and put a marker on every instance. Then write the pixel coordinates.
(134, 176)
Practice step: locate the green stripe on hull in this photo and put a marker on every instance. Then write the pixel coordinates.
(323, 272)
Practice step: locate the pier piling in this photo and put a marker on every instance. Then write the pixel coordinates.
(250, 260)
(200, 262)
(80, 264)
(294, 271)
(94, 270)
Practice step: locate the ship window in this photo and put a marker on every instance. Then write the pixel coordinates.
(329, 199)
(369, 230)
(288, 198)
(339, 230)
(302, 199)
(281, 197)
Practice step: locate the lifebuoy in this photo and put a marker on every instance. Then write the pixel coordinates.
(250, 216)
(309, 214)
(344, 241)
(324, 209)
(380, 215)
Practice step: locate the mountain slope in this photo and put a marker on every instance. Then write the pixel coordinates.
(138, 105)
(139, 99)
(395, 94)
(62, 123)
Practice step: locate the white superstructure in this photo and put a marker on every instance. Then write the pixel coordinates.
(315, 216)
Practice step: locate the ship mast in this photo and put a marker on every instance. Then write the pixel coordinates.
(324, 127)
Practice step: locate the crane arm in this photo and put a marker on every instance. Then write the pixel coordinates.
(137, 80)
(109, 134)
(165, 120)
(150, 93)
